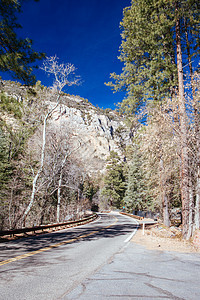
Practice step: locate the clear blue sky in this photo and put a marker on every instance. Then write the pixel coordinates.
(83, 32)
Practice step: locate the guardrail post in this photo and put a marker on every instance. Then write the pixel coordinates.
(143, 225)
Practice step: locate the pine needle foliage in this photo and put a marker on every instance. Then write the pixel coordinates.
(17, 56)
(114, 181)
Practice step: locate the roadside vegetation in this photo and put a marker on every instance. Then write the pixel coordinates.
(160, 53)
(159, 171)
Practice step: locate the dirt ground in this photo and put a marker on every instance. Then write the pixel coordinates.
(158, 237)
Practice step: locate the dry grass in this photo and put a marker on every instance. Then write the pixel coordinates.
(164, 239)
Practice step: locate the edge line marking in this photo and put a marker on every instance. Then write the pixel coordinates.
(133, 233)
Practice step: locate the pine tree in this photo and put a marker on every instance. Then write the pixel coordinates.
(16, 54)
(136, 196)
(147, 53)
(114, 181)
(148, 49)
(152, 51)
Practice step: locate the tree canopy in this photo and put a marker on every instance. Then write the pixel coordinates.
(16, 54)
(148, 49)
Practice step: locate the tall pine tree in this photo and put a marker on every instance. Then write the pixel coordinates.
(136, 197)
(153, 43)
(114, 181)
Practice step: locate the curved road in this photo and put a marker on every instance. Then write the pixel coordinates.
(50, 266)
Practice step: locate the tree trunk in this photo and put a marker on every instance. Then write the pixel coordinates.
(41, 162)
(191, 210)
(196, 128)
(59, 197)
(166, 211)
(183, 129)
(197, 202)
(10, 205)
(59, 188)
(189, 56)
(164, 198)
(60, 182)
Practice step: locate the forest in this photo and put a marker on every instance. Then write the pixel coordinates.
(158, 171)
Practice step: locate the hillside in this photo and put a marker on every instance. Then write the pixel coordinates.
(94, 131)
(79, 139)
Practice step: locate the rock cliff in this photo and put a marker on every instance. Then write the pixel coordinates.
(94, 132)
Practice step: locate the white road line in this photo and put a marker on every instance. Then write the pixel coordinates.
(133, 233)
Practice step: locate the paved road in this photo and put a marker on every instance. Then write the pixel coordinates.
(96, 262)
(141, 274)
(50, 266)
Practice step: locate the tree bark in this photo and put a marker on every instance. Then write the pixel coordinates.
(165, 202)
(191, 210)
(197, 202)
(189, 56)
(197, 135)
(166, 211)
(183, 129)
(59, 188)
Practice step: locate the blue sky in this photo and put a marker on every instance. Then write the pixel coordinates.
(85, 33)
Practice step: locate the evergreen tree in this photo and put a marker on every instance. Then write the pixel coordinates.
(147, 52)
(136, 193)
(153, 39)
(16, 54)
(114, 181)
(5, 165)
(148, 49)
(90, 188)
(13, 139)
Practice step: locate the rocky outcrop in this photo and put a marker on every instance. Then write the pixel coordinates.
(94, 132)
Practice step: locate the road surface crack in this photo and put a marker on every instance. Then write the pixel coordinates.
(150, 276)
(167, 293)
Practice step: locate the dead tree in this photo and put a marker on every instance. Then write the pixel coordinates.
(63, 76)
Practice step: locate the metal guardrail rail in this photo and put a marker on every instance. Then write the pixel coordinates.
(42, 227)
(141, 219)
(132, 216)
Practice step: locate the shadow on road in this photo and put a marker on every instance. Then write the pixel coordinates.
(97, 231)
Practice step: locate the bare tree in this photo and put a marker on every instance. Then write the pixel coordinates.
(158, 145)
(63, 76)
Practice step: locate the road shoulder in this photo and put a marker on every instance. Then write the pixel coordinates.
(163, 239)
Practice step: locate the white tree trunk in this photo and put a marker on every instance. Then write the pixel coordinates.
(61, 73)
(191, 209)
(59, 188)
(165, 204)
(34, 185)
(166, 211)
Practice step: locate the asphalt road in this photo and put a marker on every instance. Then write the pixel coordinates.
(51, 266)
(141, 274)
(95, 262)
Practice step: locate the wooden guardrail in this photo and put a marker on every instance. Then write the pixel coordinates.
(42, 227)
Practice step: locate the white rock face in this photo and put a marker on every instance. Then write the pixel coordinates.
(94, 132)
